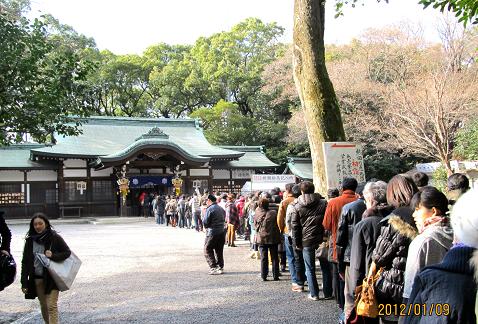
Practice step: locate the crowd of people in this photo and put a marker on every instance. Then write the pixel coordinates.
(415, 244)
(401, 236)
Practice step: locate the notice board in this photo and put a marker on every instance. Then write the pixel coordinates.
(342, 160)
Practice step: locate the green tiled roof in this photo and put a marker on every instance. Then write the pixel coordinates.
(300, 167)
(109, 136)
(18, 157)
(152, 143)
(253, 158)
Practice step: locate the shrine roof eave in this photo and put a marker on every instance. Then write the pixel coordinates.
(147, 144)
(301, 167)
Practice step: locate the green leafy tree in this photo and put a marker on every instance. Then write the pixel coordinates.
(465, 10)
(118, 87)
(169, 93)
(467, 142)
(39, 86)
(224, 124)
(232, 62)
(440, 177)
(14, 9)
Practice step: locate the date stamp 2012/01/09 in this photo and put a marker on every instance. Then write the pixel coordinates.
(414, 309)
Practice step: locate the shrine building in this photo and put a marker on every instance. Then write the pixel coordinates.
(77, 176)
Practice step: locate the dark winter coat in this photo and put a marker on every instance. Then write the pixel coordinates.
(60, 251)
(265, 223)
(160, 206)
(214, 220)
(391, 252)
(447, 284)
(350, 216)
(5, 235)
(366, 233)
(306, 220)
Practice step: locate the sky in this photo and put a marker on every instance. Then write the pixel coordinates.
(127, 26)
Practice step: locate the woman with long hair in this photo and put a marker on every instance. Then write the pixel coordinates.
(35, 279)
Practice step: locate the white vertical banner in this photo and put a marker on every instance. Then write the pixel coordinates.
(342, 160)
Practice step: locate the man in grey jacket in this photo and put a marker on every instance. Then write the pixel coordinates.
(214, 245)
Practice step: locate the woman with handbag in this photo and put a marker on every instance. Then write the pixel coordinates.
(35, 279)
(397, 232)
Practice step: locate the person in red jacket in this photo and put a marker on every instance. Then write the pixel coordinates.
(240, 210)
(330, 223)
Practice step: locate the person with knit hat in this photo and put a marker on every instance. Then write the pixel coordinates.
(446, 291)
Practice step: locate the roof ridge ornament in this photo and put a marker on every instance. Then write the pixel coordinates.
(154, 132)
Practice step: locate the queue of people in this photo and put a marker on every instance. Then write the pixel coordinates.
(400, 232)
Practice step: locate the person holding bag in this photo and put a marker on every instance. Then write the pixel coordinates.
(35, 279)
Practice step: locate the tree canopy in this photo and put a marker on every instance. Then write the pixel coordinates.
(465, 10)
(41, 86)
(467, 142)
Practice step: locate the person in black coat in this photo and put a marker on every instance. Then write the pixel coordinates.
(351, 214)
(6, 236)
(35, 279)
(308, 231)
(366, 233)
(397, 231)
(349, 217)
(391, 252)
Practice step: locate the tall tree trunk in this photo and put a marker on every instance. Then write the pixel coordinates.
(316, 92)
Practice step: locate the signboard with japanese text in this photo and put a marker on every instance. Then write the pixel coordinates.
(273, 178)
(81, 186)
(12, 198)
(342, 160)
(242, 173)
(266, 182)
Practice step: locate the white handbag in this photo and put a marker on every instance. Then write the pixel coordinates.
(64, 272)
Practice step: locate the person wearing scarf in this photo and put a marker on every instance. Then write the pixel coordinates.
(35, 279)
(435, 234)
(447, 290)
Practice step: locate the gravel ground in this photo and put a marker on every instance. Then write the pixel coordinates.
(144, 273)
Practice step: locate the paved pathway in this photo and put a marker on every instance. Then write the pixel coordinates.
(144, 273)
